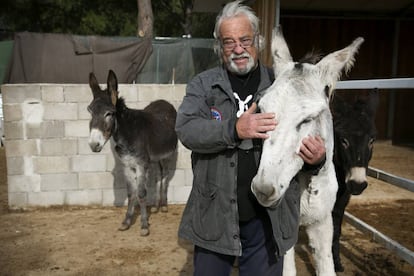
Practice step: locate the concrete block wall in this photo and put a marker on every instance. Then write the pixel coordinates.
(49, 162)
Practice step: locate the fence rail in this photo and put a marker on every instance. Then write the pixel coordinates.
(396, 83)
(391, 179)
(377, 236)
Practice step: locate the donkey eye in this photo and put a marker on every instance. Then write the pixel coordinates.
(345, 142)
(303, 122)
(109, 114)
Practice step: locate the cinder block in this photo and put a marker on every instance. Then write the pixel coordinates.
(83, 113)
(14, 130)
(115, 197)
(151, 92)
(178, 195)
(79, 128)
(179, 92)
(46, 129)
(18, 93)
(23, 183)
(189, 177)
(52, 147)
(15, 165)
(76, 93)
(46, 199)
(17, 200)
(129, 92)
(52, 93)
(12, 112)
(96, 180)
(84, 197)
(51, 164)
(178, 178)
(58, 182)
(60, 111)
(21, 148)
(184, 159)
(88, 163)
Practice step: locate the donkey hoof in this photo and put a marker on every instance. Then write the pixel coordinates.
(124, 227)
(154, 209)
(164, 209)
(144, 232)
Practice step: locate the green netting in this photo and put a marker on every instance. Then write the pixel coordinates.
(176, 60)
(6, 48)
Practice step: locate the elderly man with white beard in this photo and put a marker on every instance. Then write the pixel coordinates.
(219, 123)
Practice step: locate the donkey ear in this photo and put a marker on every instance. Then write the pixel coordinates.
(332, 65)
(93, 84)
(280, 51)
(112, 84)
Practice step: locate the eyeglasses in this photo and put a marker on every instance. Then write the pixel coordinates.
(229, 44)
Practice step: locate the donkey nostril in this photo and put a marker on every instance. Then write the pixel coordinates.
(95, 147)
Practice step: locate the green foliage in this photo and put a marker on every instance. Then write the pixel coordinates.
(100, 17)
(85, 17)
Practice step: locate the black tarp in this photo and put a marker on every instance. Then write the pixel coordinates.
(62, 58)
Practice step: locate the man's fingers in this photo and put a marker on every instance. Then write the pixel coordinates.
(252, 108)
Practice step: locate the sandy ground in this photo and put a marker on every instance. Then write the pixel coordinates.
(85, 240)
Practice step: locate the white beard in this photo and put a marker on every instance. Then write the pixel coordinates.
(240, 71)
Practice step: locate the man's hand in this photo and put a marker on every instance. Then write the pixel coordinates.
(312, 150)
(255, 125)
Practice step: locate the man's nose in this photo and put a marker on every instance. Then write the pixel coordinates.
(238, 49)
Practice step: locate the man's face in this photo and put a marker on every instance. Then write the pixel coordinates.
(238, 45)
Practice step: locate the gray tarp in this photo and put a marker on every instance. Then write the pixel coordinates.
(62, 58)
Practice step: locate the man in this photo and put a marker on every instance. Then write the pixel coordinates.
(217, 121)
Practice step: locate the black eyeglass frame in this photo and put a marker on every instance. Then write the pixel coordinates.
(244, 42)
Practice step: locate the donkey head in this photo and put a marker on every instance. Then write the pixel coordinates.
(355, 132)
(103, 111)
(299, 97)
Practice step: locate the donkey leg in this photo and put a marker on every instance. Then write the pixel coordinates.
(142, 176)
(165, 176)
(289, 267)
(337, 216)
(320, 240)
(132, 190)
(156, 170)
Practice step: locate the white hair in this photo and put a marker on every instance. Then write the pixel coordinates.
(231, 10)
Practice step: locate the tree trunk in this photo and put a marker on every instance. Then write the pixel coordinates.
(145, 19)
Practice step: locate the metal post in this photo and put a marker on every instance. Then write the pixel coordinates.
(277, 13)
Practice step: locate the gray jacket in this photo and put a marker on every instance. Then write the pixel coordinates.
(206, 125)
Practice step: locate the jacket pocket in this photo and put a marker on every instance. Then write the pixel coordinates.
(207, 222)
(207, 214)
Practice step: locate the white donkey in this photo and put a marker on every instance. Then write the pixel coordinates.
(300, 98)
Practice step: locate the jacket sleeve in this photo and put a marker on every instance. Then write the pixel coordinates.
(196, 128)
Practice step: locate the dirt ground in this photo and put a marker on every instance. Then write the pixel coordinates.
(85, 240)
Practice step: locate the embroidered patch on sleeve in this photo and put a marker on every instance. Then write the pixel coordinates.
(215, 114)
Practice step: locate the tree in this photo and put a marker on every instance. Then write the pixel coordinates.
(145, 19)
(106, 17)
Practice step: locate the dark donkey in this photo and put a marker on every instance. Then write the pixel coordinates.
(142, 138)
(354, 132)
